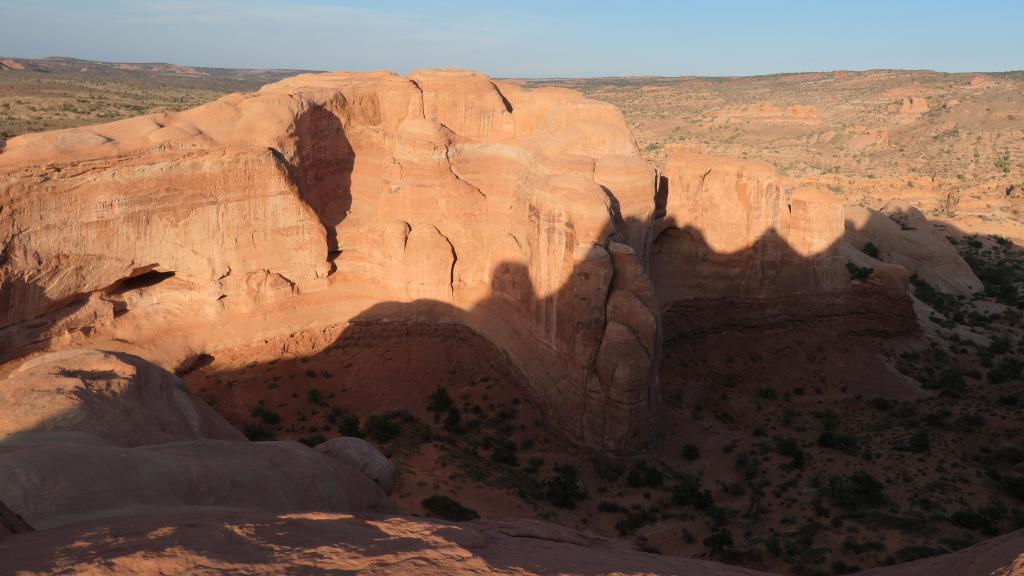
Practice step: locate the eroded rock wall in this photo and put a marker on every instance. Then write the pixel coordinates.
(526, 214)
(736, 248)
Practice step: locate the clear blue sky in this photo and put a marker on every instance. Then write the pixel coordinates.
(527, 37)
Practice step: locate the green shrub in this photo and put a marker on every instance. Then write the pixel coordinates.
(439, 402)
(836, 441)
(564, 488)
(314, 396)
(453, 420)
(871, 250)
(950, 382)
(257, 432)
(789, 447)
(264, 415)
(382, 428)
(1008, 368)
(610, 507)
(691, 452)
(313, 440)
(643, 474)
(859, 273)
(856, 491)
(920, 441)
(635, 519)
(1014, 486)
(690, 493)
(446, 508)
(719, 541)
(505, 453)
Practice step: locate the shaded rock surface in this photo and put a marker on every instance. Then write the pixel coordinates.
(904, 237)
(11, 523)
(116, 398)
(231, 541)
(362, 456)
(93, 434)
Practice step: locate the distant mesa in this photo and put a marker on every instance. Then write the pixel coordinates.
(11, 64)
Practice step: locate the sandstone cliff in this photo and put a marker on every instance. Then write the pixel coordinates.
(521, 214)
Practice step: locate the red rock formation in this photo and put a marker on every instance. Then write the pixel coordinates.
(233, 541)
(732, 249)
(305, 204)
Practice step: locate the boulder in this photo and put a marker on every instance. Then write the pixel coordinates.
(116, 398)
(362, 456)
(904, 237)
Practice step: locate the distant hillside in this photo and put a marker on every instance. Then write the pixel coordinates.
(53, 93)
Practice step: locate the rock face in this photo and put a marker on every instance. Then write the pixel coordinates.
(904, 237)
(234, 541)
(362, 456)
(36, 480)
(733, 249)
(913, 105)
(181, 234)
(93, 434)
(114, 398)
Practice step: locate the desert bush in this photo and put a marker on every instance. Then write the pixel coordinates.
(691, 452)
(871, 250)
(719, 541)
(859, 273)
(791, 448)
(643, 474)
(348, 425)
(690, 493)
(1006, 369)
(439, 402)
(856, 491)
(950, 381)
(610, 507)
(504, 452)
(314, 396)
(635, 519)
(564, 488)
(919, 441)
(313, 440)
(861, 547)
(382, 428)
(265, 415)
(836, 441)
(257, 432)
(446, 508)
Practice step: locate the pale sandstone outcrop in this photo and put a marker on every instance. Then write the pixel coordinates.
(362, 456)
(904, 237)
(114, 398)
(912, 105)
(88, 434)
(302, 205)
(51, 483)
